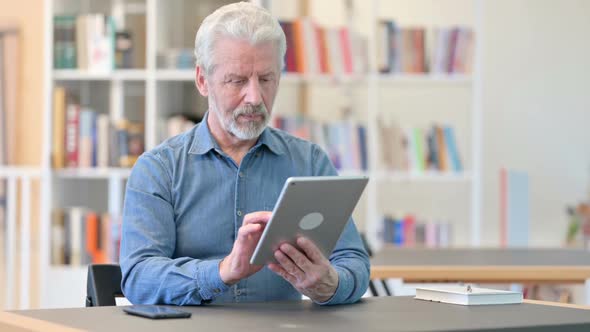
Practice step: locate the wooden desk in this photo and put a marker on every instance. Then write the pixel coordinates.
(557, 266)
(371, 314)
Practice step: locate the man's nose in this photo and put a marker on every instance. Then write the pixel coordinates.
(253, 93)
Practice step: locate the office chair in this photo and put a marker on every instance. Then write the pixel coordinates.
(103, 285)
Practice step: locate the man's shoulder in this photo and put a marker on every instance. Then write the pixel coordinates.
(288, 140)
(175, 145)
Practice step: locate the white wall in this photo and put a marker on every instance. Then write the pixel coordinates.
(536, 71)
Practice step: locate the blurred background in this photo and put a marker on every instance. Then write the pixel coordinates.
(471, 118)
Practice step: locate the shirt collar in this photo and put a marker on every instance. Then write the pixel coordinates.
(203, 141)
(268, 139)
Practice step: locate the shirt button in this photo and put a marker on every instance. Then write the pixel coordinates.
(239, 292)
(241, 174)
(239, 213)
(216, 290)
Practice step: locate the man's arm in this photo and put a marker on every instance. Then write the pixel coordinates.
(148, 240)
(349, 258)
(344, 277)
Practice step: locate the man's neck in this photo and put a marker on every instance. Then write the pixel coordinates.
(229, 144)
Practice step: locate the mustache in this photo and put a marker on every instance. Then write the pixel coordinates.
(251, 110)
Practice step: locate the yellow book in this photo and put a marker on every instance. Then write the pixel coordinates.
(59, 127)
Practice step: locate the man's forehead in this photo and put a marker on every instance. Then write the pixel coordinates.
(241, 66)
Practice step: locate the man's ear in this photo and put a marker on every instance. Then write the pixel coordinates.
(201, 82)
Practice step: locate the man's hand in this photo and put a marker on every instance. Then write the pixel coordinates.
(236, 265)
(308, 270)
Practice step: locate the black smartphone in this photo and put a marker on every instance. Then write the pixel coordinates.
(156, 311)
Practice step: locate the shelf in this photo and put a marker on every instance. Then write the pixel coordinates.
(92, 173)
(189, 75)
(404, 176)
(19, 171)
(83, 75)
(322, 78)
(429, 176)
(175, 74)
(293, 78)
(424, 78)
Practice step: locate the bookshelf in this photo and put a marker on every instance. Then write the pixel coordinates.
(156, 90)
(416, 96)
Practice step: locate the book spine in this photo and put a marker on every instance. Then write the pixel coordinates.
(59, 118)
(72, 127)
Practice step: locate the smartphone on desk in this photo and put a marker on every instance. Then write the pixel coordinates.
(156, 311)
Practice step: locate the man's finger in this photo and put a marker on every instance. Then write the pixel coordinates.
(311, 250)
(297, 257)
(276, 268)
(287, 264)
(259, 217)
(248, 230)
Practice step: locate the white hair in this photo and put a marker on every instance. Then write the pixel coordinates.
(240, 20)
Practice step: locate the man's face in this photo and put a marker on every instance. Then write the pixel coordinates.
(242, 86)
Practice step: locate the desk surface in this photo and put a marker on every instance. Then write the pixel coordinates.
(371, 314)
(483, 256)
(483, 265)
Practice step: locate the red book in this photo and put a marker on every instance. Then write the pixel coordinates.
(299, 42)
(409, 231)
(72, 134)
(346, 50)
(321, 48)
(290, 57)
(452, 49)
(419, 58)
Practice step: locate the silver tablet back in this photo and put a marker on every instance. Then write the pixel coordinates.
(315, 207)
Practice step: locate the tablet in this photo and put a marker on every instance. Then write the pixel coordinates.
(315, 207)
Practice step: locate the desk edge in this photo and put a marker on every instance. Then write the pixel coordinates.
(33, 324)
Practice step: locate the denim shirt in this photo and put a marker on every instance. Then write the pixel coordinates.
(184, 203)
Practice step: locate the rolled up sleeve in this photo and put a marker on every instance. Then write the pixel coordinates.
(150, 274)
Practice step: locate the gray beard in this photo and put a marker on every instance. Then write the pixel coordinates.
(250, 130)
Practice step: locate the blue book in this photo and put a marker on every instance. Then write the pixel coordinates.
(362, 134)
(452, 149)
(94, 138)
(518, 211)
(398, 237)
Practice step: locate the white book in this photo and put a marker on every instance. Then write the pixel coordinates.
(334, 51)
(102, 128)
(467, 295)
(312, 60)
(76, 216)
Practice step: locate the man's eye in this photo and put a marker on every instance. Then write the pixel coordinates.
(238, 82)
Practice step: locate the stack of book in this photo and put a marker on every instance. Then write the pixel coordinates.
(418, 150)
(345, 142)
(84, 137)
(409, 231)
(416, 50)
(93, 42)
(313, 49)
(80, 236)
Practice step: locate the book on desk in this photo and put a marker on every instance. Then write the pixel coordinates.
(467, 295)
